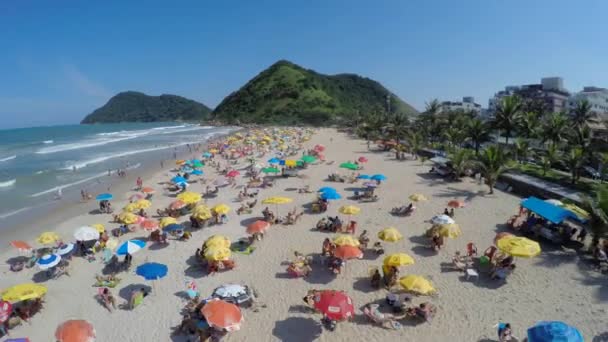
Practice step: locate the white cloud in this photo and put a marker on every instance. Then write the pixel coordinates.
(84, 84)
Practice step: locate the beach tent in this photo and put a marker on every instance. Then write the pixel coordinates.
(548, 211)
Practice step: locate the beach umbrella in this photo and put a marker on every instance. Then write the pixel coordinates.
(165, 221)
(23, 292)
(136, 197)
(418, 198)
(86, 233)
(270, 170)
(554, 331)
(48, 261)
(258, 226)
(127, 218)
(233, 173)
(502, 235)
(189, 197)
(131, 247)
(129, 208)
(319, 148)
(147, 190)
(99, 227)
(197, 164)
(335, 305)
(349, 166)
(276, 201)
(456, 204)
(370, 184)
(555, 202)
(216, 253)
(213, 150)
(308, 159)
(398, 259)
(21, 246)
(179, 179)
(65, 249)
(186, 169)
(197, 172)
(231, 292)
(442, 219)
(207, 155)
(149, 225)
(75, 330)
(143, 204)
(330, 195)
(217, 241)
(6, 308)
(291, 163)
(362, 160)
(47, 238)
(349, 210)
(201, 212)
(364, 177)
(104, 197)
(581, 213)
(390, 234)
(180, 162)
(173, 227)
(222, 315)
(152, 270)
(451, 230)
(417, 284)
(273, 161)
(327, 189)
(519, 246)
(176, 205)
(348, 252)
(221, 209)
(346, 240)
(378, 177)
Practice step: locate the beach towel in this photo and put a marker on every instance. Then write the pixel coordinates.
(242, 249)
(137, 300)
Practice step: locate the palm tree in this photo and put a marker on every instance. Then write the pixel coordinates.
(555, 127)
(478, 132)
(581, 113)
(454, 136)
(415, 142)
(493, 162)
(429, 121)
(508, 115)
(460, 161)
(581, 136)
(574, 159)
(597, 207)
(552, 154)
(529, 125)
(522, 149)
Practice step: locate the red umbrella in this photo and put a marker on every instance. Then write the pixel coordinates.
(222, 315)
(258, 227)
(336, 305)
(149, 225)
(22, 246)
(362, 160)
(456, 204)
(76, 330)
(319, 148)
(5, 311)
(348, 252)
(177, 204)
(233, 173)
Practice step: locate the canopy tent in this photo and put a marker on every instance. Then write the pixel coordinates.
(548, 211)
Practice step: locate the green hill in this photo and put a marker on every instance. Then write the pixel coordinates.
(286, 93)
(132, 106)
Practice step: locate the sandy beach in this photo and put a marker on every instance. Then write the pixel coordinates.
(553, 286)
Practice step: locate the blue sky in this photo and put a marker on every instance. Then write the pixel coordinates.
(59, 60)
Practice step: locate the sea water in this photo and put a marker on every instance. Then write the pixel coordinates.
(36, 162)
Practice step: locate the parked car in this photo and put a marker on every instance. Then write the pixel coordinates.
(589, 172)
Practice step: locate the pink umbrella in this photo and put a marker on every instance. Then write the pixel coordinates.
(233, 173)
(362, 160)
(6, 309)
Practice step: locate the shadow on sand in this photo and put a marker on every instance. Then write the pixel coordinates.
(297, 329)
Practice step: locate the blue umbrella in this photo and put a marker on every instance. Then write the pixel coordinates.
(326, 189)
(131, 246)
(378, 177)
(152, 270)
(48, 261)
(364, 177)
(329, 195)
(207, 155)
(197, 172)
(553, 331)
(274, 160)
(104, 197)
(173, 227)
(178, 179)
(281, 162)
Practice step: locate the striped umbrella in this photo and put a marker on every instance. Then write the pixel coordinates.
(48, 261)
(131, 246)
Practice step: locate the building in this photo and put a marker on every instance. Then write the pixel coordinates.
(467, 105)
(598, 100)
(548, 96)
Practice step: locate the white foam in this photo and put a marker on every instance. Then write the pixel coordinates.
(8, 158)
(8, 183)
(169, 127)
(79, 145)
(48, 142)
(11, 213)
(52, 190)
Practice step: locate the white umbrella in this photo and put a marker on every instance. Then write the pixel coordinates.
(48, 261)
(65, 249)
(86, 233)
(442, 219)
(233, 293)
(555, 202)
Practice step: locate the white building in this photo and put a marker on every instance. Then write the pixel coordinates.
(467, 104)
(597, 98)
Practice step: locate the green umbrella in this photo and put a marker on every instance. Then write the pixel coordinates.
(270, 170)
(349, 166)
(309, 159)
(197, 164)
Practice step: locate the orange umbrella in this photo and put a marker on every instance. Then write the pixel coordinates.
(258, 227)
(147, 190)
(177, 204)
(456, 204)
(75, 330)
(22, 246)
(149, 225)
(501, 235)
(222, 315)
(348, 252)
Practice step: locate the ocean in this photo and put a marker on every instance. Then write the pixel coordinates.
(36, 162)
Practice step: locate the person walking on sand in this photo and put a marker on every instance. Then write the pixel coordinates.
(140, 183)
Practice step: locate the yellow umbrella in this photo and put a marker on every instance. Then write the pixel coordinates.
(189, 197)
(398, 259)
(390, 234)
(129, 208)
(213, 150)
(112, 244)
(180, 162)
(127, 218)
(165, 221)
(201, 212)
(349, 210)
(290, 162)
(99, 227)
(143, 204)
(217, 253)
(346, 240)
(217, 241)
(277, 200)
(417, 284)
(451, 230)
(418, 197)
(519, 246)
(221, 209)
(578, 211)
(47, 238)
(23, 292)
